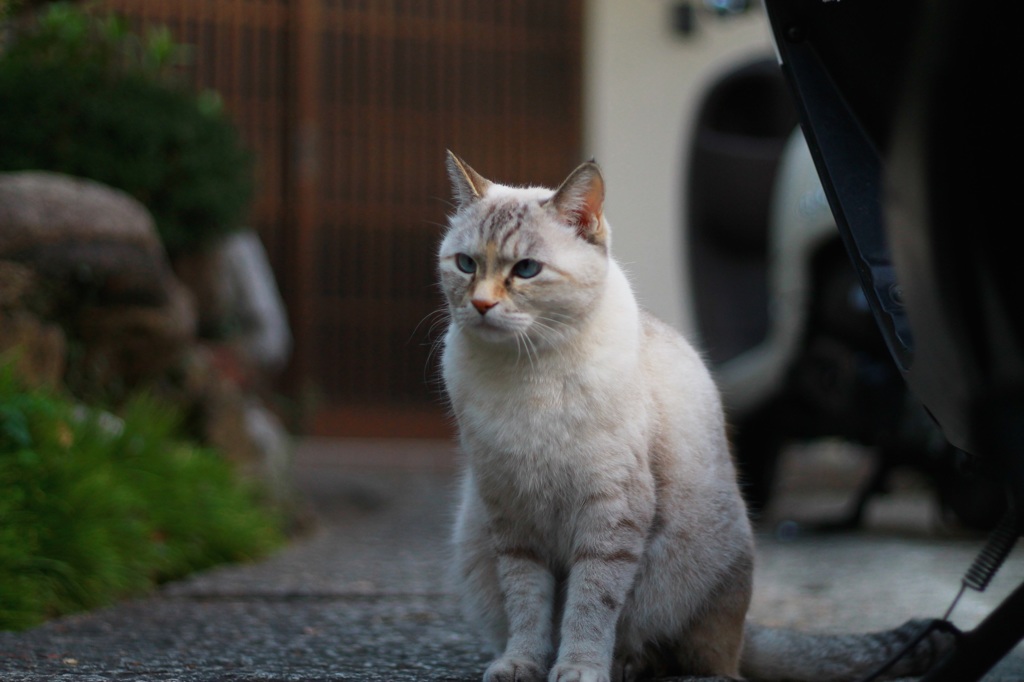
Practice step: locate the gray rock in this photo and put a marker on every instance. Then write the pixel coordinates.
(100, 271)
(98, 242)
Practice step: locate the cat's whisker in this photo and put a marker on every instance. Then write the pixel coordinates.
(435, 347)
(448, 203)
(443, 321)
(558, 319)
(545, 333)
(436, 316)
(519, 347)
(550, 333)
(437, 319)
(530, 347)
(523, 341)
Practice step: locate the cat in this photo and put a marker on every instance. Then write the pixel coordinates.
(600, 533)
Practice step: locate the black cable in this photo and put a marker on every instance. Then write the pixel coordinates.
(978, 576)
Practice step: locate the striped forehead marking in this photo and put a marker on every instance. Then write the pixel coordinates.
(501, 219)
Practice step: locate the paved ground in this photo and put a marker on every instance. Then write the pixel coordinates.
(364, 597)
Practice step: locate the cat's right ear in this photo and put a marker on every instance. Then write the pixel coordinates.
(467, 184)
(580, 203)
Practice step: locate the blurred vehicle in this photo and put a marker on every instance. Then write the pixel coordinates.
(781, 314)
(911, 117)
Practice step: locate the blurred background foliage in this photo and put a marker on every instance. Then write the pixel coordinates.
(85, 95)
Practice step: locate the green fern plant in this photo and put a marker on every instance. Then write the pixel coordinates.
(96, 507)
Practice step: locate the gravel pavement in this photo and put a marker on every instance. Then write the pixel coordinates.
(363, 596)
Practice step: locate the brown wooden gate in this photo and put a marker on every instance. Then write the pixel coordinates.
(349, 106)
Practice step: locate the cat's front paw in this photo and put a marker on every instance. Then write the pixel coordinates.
(513, 669)
(577, 672)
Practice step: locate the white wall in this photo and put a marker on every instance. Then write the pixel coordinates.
(641, 83)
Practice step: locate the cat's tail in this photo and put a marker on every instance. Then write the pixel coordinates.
(778, 654)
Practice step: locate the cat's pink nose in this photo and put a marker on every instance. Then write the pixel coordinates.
(483, 306)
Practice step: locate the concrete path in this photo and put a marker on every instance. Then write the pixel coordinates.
(364, 596)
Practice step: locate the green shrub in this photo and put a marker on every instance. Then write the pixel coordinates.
(95, 508)
(84, 95)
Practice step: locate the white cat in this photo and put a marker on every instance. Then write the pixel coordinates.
(601, 533)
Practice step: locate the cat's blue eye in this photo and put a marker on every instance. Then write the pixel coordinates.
(526, 268)
(465, 263)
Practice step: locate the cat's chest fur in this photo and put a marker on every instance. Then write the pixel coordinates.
(548, 403)
(538, 425)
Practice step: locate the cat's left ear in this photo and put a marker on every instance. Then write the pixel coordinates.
(467, 184)
(579, 202)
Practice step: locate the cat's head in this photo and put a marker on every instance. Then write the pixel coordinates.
(524, 265)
